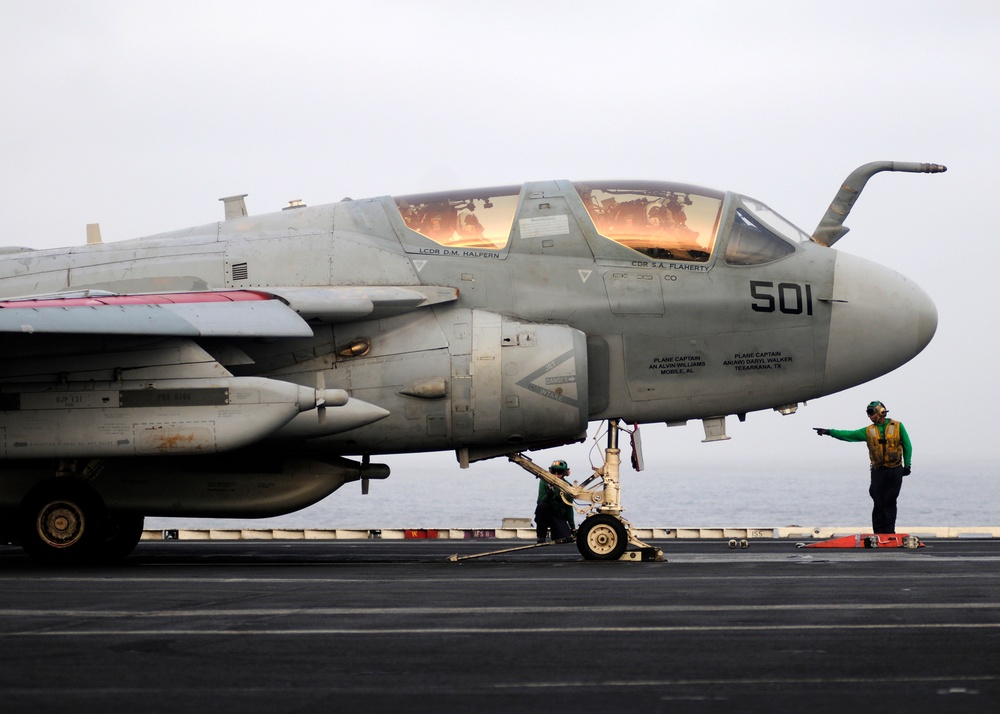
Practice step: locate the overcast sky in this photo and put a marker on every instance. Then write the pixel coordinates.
(140, 115)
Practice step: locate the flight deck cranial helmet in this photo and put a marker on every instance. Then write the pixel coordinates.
(877, 408)
(559, 468)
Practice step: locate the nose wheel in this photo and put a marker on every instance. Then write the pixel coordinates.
(602, 537)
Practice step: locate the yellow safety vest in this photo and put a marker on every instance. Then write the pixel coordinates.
(886, 451)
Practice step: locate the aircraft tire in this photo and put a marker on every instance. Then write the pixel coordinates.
(62, 521)
(602, 537)
(123, 531)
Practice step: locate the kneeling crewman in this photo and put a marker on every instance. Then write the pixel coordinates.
(551, 512)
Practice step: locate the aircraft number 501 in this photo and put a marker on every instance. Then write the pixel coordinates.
(787, 298)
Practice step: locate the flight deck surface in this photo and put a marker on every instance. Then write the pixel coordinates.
(393, 625)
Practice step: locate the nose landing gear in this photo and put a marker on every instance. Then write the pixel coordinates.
(604, 534)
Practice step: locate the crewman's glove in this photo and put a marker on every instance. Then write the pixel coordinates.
(906, 470)
(821, 432)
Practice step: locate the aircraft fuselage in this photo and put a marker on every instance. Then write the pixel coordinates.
(487, 322)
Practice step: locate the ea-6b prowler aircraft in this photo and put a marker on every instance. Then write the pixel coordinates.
(230, 370)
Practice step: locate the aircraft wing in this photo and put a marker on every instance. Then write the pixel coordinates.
(279, 312)
(127, 375)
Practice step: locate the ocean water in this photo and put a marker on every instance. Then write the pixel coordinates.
(431, 491)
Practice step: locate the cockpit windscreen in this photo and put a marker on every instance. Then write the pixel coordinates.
(759, 235)
(660, 220)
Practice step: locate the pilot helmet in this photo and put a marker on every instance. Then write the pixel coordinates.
(559, 468)
(876, 408)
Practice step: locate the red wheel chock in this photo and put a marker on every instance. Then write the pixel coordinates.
(869, 540)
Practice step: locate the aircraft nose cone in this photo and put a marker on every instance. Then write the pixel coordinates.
(880, 320)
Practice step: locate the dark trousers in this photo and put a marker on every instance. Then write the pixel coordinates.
(884, 490)
(546, 519)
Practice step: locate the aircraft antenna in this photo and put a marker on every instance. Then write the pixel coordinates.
(93, 233)
(235, 206)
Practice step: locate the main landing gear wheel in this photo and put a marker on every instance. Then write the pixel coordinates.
(62, 521)
(124, 530)
(602, 537)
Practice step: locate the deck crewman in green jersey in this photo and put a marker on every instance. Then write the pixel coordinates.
(890, 451)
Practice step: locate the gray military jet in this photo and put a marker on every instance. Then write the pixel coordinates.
(231, 369)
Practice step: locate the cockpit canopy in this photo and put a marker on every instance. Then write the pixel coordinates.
(664, 221)
(660, 220)
(480, 218)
